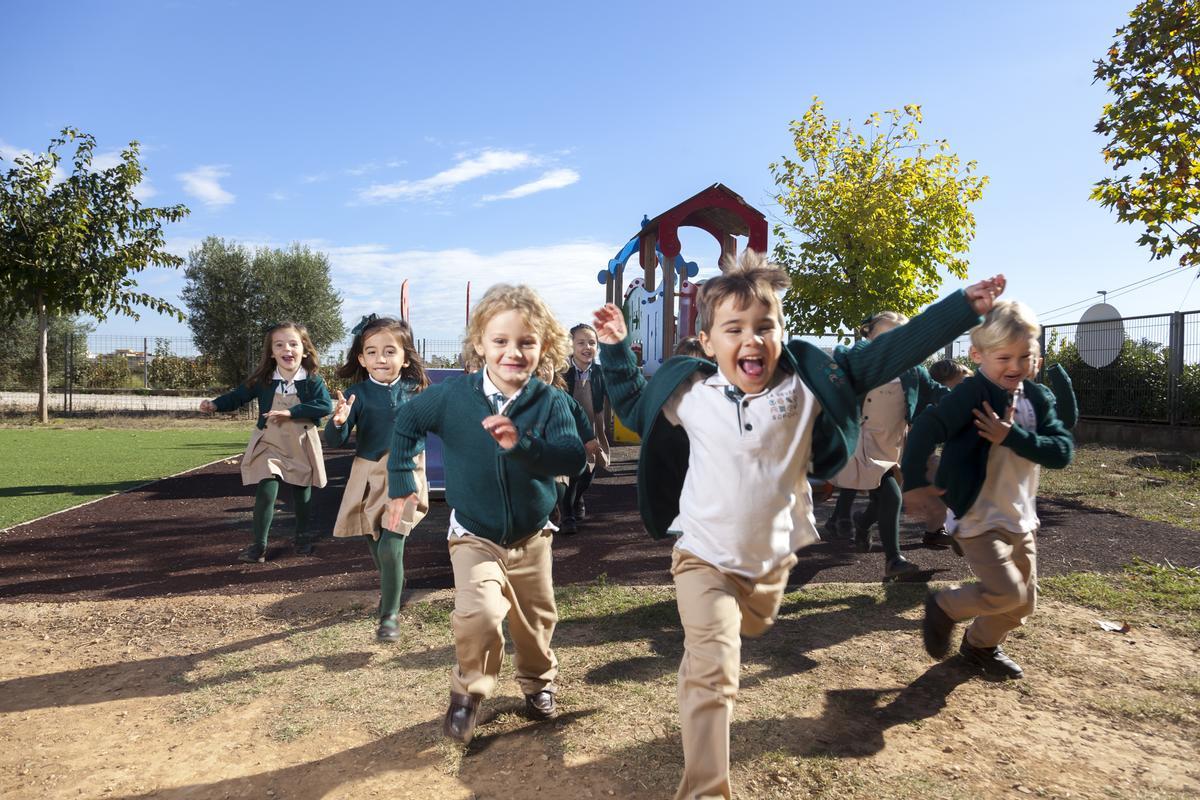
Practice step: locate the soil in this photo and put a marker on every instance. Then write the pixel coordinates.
(180, 536)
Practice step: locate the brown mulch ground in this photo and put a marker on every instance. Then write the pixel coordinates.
(179, 536)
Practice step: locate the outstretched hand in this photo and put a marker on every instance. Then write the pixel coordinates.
(983, 295)
(341, 410)
(610, 324)
(502, 430)
(208, 406)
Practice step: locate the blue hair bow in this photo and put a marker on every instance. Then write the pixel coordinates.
(363, 323)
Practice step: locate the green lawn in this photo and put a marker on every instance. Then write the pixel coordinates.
(47, 469)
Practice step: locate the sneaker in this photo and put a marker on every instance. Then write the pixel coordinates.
(939, 539)
(389, 629)
(992, 661)
(899, 568)
(936, 628)
(254, 554)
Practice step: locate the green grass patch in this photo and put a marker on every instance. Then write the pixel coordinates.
(1161, 487)
(1161, 594)
(49, 469)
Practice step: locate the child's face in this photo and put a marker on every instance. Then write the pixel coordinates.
(1008, 364)
(584, 346)
(510, 350)
(382, 356)
(287, 349)
(745, 343)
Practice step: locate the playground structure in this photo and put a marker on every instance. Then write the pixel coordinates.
(662, 312)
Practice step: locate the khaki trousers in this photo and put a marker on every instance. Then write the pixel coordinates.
(716, 610)
(493, 583)
(1005, 596)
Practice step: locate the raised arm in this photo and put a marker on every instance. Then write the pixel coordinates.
(623, 379)
(232, 400)
(344, 418)
(415, 418)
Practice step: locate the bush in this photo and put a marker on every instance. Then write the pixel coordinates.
(1132, 387)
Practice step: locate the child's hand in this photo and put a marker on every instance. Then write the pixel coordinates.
(278, 415)
(983, 294)
(610, 324)
(925, 505)
(992, 427)
(592, 448)
(208, 406)
(341, 411)
(395, 511)
(502, 430)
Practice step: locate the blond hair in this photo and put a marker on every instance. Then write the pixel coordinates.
(556, 344)
(752, 278)
(1008, 321)
(871, 323)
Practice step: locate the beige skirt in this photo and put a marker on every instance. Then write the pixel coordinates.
(364, 503)
(289, 450)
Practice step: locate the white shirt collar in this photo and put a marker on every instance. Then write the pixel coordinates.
(371, 378)
(490, 388)
(301, 374)
(582, 370)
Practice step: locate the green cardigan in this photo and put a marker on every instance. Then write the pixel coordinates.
(373, 414)
(920, 391)
(314, 398)
(838, 381)
(963, 466)
(500, 495)
(1065, 403)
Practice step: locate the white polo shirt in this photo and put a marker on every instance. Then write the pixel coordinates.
(746, 503)
(1008, 499)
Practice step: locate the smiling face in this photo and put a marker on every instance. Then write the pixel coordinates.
(382, 356)
(1007, 364)
(745, 343)
(287, 349)
(510, 350)
(583, 346)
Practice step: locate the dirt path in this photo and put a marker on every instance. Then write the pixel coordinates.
(267, 696)
(178, 536)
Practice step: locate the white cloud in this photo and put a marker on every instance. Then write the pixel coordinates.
(369, 278)
(467, 169)
(555, 179)
(278, 195)
(204, 183)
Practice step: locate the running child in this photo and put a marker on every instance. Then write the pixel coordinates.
(285, 446)
(387, 373)
(726, 448)
(506, 433)
(585, 383)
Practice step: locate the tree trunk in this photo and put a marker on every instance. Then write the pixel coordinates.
(43, 362)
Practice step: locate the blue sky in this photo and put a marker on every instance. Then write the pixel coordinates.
(447, 142)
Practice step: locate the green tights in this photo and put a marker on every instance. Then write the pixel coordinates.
(264, 509)
(388, 553)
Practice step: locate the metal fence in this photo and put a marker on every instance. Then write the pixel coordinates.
(101, 374)
(1154, 377)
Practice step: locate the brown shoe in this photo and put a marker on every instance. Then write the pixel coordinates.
(540, 705)
(459, 722)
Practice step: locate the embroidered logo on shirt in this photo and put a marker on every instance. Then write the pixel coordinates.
(784, 405)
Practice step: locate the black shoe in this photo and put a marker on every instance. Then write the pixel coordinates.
(580, 511)
(936, 628)
(303, 547)
(992, 661)
(459, 722)
(899, 568)
(389, 629)
(253, 554)
(540, 705)
(939, 539)
(568, 526)
(838, 528)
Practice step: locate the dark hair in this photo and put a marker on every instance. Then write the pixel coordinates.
(690, 346)
(266, 365)
(414, 368)
(583, 326)
(752, 278)
(871, 323)
(946, 370)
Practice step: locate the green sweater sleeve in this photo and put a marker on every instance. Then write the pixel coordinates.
(625, 383)
(1051, 444)
(318, 404)
(558, 451)
(235, 399)
(336, 436)
(929, 391)
(1067, 407)
(874, 363)
(415, 418)
(935, 425)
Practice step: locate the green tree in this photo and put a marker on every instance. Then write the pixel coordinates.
(19, 360)
(233, 295)
(1152, 71)
(871, 219)
(73, 246)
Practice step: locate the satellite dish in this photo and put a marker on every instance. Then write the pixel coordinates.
(1100, 335)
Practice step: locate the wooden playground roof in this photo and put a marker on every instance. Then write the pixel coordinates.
(710, 209)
